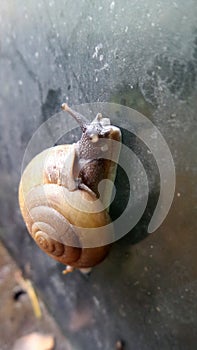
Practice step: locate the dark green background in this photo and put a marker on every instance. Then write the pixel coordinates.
(143, 293)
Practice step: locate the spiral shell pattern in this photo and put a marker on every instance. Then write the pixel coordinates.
(48, 244)
(52, 221)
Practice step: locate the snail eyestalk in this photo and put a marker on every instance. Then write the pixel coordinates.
(81, 120)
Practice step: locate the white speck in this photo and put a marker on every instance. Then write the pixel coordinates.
(69, 54)
(175, 4)
(148, 151)
(112, 5)
(153, 24)
(4, 271)
(101, 58)
(60, 66)
(104, 148)
(36, 54)
(57, 35)
(158, 308)
(126, 29)
(96, 50)
(124, 59)
(148, 15)
(136, 283)
(49, 176)
(178, 194)
(154, 135)
(96, 79)
(146, 268)
(152, 246)
(90, 18)
(100, 8)
(96, 301)
(122, 9)
(20, 82)
(158, 287)
(131, 86)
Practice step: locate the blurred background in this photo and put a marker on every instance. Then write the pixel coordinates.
(141, 54)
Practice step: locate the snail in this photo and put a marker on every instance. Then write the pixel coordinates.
(59, 194)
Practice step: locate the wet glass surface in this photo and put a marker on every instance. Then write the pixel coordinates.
(142, 54)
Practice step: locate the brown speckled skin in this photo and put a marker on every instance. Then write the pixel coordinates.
(97, 168)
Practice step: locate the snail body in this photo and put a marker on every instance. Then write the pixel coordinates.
(59, 197)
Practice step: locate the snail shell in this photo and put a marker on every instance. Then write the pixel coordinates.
(58, 198)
